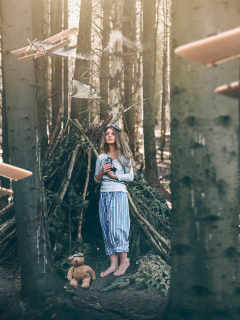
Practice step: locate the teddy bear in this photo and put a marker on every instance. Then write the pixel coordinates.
(80, 272)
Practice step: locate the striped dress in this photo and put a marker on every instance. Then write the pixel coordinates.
(113, 207)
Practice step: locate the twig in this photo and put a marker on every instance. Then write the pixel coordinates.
(6, 226)
(148, 224)
(86, 137)
(62, 132)
(156, 217)
(60, 113)
(118, 116)
(6, 209)
(159, 248)
(85, 192)
(69, 174)
(65, 182)
(102, 127)
(7, 237)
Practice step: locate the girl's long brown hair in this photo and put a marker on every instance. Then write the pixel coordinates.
(122, 147)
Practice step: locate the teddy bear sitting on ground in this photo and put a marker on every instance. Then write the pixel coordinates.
(80, 272)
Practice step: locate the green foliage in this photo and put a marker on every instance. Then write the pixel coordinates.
(153, 273)
(120, 283)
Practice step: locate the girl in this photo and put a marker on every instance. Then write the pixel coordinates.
(113, 202)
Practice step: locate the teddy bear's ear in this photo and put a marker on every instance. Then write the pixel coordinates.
(70, 258)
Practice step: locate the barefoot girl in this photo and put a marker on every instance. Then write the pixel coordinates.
(113, 202)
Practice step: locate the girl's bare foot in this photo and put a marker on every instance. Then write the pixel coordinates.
(111, 269)
(122, 268)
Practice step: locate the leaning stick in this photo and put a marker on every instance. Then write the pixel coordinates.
(7, 237)
(65, 182)
(58, 120)
(85, 192)
(147, 223)
(129, 197)
(86, 137)
(4, 228)
(118, 116)
(70, 170)
(6, 209)
(156, 244)
(59, 137)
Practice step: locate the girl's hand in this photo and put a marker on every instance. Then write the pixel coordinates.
(112, 175)
(106, 168)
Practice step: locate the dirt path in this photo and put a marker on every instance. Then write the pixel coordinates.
(129, 303)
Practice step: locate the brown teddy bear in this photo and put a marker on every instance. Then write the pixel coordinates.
(80, 272)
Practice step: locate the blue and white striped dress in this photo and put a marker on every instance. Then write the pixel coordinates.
(113, 206)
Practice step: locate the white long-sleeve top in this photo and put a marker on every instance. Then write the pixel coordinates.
(123, 173)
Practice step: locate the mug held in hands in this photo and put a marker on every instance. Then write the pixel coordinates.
(109, 160)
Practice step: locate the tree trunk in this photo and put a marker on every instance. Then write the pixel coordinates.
(38, 277)
(151, 172)
(116, 61)
(82, 67)
(5, 151)
(204, 173)
(40, 72)
(129, 34)
(104, 72)
(164, 77)
(56, 27)
(65, 61)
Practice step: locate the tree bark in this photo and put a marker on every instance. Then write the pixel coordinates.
(104, 72)
(129, 34)
(65, 61)
(5, 154)
(56, 27)
(82, 67)
(116, 61)
(204, 173)
(38, 278)
(40, 66)
(149, 42)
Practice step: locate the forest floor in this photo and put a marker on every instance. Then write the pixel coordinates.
(118, 304)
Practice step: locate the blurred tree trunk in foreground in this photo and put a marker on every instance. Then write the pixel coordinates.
(149, 42)
(5, 154)
(39, 280)
(204, 174)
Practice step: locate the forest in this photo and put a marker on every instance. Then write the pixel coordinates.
(69, 68)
